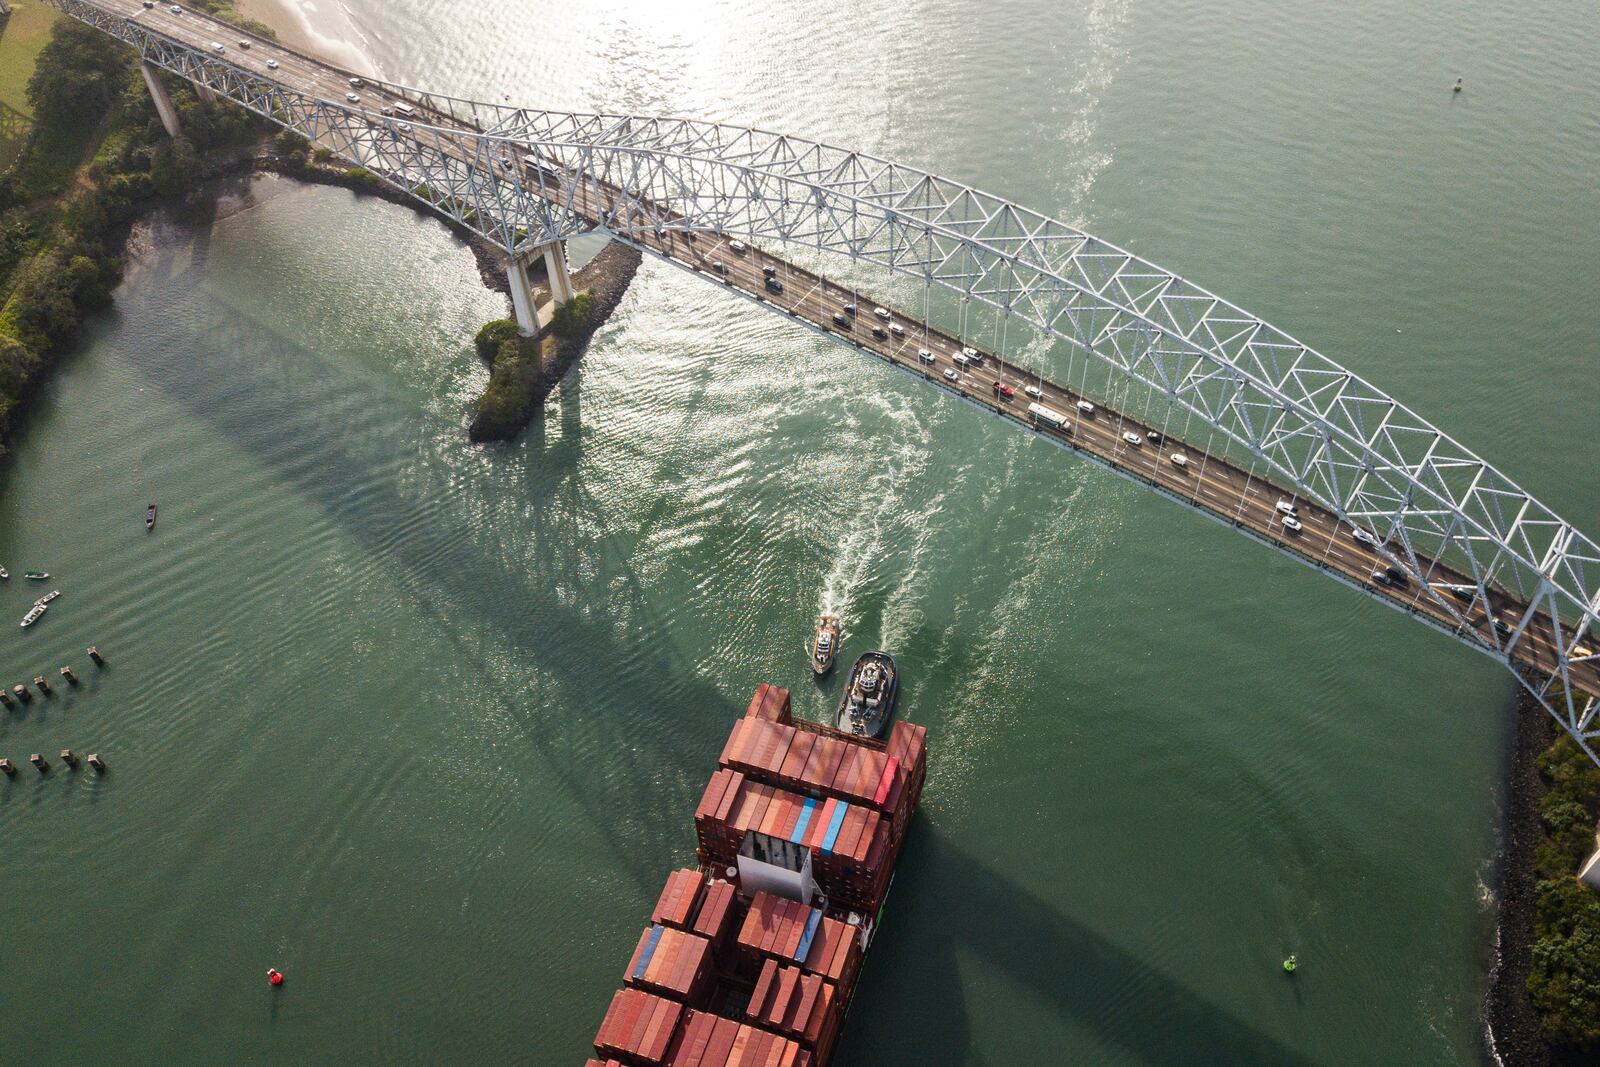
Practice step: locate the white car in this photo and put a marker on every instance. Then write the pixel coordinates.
(1287, 507)
(1133, 439)
(175, 9)
(272, 64)
(924, 355)
(882, 313)
(972, 354)
(1086, 407)
(738, 247)
(244, 44)
(1291, 524)
(352, 97)
(1179, 459)
(355, 83)
(950, 372)
(1363, 536)
(216, 46)
(1033, 391)
(897, 329)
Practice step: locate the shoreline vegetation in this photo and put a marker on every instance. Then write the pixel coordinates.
(1543, 1002)
(96, 159)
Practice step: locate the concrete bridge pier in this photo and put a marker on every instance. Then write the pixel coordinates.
(158, 93)
(532, 317)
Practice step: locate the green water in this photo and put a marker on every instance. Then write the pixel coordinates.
(423, 724)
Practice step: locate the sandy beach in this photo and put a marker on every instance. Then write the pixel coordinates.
(320, 28)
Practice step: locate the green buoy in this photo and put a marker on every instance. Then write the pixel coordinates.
(1289, 964)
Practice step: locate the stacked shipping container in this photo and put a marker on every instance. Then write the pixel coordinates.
(724, 978)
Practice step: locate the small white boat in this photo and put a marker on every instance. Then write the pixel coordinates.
(32, 616)
(4, 573)
(51, 595)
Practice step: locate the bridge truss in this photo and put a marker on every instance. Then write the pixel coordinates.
(1336, 438)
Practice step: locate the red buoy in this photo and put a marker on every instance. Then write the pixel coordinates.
(274, 976)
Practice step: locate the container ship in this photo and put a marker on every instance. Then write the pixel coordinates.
(752, 957)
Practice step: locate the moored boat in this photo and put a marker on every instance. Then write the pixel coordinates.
(33, 615)
(150, 517)
(51, 595)
(37, 576)
(868, 698)
(825, 645)
(4, 573)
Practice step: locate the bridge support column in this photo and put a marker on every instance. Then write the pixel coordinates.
(206, 95)
(555, 267)
(522, 307)
(163, 102)
(532, 317)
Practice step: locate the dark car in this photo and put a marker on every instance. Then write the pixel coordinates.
(880, 333)
(769, 270)
(1397, 577)
(1502, 628)
(719, 266)
(1466, 596)
(774, 285)
(849, 309)
(1154, 437)
(1382, 578)
(841, 320)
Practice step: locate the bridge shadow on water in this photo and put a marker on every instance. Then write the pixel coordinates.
(950, 906)
(339, 453)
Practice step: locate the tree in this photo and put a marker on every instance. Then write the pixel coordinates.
(79, 74)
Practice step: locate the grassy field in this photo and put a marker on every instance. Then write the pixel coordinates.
(25, 33)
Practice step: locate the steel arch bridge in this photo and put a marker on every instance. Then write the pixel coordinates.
(523, 178)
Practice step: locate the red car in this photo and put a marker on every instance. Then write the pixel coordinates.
(1002, 389)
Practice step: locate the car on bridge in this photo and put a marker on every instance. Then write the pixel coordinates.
(738, 247)
(1179, 460)
(841, 320)
(897, 329)
(1002, 389)
(974, 355)
(1363, 536)
(1086, 407)
(774, 285)
(1292, 524)
(1133, 439)
(849, 309)
(879, 332)
(924, 355)
(1033, 391)
(950, 372)
(1287, 507)
(216, 46)
(882, 313)
(272, 64)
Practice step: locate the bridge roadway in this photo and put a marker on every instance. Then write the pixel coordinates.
(1210, 483)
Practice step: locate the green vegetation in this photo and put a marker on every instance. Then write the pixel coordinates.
(1564, 982)
(506, 404)
(571, 318)
(96, 154)
(494, 333)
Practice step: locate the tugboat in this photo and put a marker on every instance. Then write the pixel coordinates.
(150, 517)
(869, 695)
(825, 645)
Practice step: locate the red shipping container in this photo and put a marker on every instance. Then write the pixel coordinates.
(676, 905)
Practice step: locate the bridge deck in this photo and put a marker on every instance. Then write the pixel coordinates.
(1209, 483)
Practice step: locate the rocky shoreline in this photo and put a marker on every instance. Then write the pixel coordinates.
(1511, 1029)
(605, 279)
